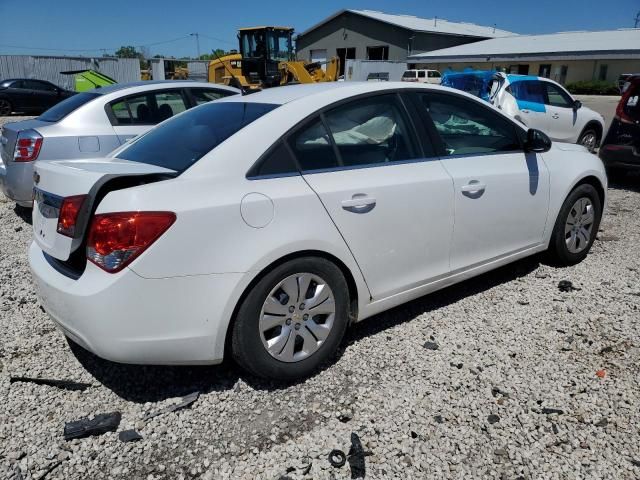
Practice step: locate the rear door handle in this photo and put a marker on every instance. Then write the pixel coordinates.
(524, 111)
(473, 189)
(359, 203)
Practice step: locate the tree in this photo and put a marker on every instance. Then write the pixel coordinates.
(127, 52)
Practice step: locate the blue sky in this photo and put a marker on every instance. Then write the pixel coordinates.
(64, 26)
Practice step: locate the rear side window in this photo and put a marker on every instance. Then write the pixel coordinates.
(409, 74)
(181, 142)
(528, 91)
(203, 95)
(147, 109)
(371, 131)
(312, 147)
(467, 128)
(422, 74)
(278, 161)
(64, 108)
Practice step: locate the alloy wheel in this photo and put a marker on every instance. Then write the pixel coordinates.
(589, 140)
(297, 317)
(579, 225)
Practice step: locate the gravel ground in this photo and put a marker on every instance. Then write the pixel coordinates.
(492, 378)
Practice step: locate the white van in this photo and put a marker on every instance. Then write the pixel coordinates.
(422, 76)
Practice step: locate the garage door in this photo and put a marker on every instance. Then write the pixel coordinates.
(319, 56)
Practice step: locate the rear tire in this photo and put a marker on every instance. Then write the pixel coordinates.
(576, 226)
(5, 107)
(285, 332)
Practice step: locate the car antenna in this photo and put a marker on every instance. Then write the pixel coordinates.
(236, 81)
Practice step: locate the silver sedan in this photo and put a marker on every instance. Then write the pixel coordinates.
(92, 124)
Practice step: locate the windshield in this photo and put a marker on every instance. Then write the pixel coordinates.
(279, 46)
(253, 44)
(183, 140)
(64, 108)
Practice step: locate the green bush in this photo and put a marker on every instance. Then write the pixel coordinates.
(593, 87)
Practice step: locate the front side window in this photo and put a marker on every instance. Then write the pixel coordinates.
(421, 74)
(279, 45)
(468, 128)
(557, 97)
(35, 85)
(371, 131)
(182, 141)
(169, 104)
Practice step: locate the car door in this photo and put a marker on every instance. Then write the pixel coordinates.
(525, 101)
(391, 200)
(501, 192)
(19, 96)
(42, 95)
(135, 114)
(561, 114)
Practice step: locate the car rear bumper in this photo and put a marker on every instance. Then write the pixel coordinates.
(126, 318)
(16, 182)
(620, 156)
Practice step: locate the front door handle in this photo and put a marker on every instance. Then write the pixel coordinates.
(525, 111)
(359, 203)
(555, 116)
(473, 189)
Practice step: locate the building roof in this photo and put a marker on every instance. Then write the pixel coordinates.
(568, 45)
(428, 25)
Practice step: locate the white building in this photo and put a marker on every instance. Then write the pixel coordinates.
(565, 57)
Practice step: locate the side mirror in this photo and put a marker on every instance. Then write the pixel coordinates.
(537, 141)
(577, 104)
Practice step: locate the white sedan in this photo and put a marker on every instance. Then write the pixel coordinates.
(262, 226)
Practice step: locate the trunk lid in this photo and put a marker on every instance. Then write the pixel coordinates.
(57, 180)
(9, 136)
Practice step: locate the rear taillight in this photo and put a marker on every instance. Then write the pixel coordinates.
(620, 109)
(68, 216)
(116, 239)
(28, 146)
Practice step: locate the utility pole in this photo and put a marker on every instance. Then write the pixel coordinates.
(637, 20)
(197, 35)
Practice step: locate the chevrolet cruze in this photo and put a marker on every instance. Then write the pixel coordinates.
(262, 226)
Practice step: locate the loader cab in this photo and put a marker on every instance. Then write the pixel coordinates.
(262, 50)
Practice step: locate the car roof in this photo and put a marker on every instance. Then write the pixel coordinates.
(116, 87)
(291, 93)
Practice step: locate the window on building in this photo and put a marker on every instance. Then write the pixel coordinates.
(560, 74)
(545, 70)
(602, 74)
(378, 53)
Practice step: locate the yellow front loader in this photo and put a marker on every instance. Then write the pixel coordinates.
(266, 60)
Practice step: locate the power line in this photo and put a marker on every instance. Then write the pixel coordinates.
(93, 49)
(218, 39)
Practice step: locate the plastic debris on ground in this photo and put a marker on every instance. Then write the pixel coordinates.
(184, 403)
(99, 425)
(129, 436)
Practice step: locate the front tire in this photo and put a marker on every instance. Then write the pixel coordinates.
(576, 226)
(292, 320)
(590, 139)
(5, 107)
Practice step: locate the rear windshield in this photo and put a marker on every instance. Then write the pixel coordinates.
(64, 108)
(183, 140)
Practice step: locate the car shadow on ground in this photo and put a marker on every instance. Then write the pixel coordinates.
(626, 181)
(24, 213)
(143, 383)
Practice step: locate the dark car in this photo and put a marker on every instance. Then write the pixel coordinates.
(620, 150)
(29, 96)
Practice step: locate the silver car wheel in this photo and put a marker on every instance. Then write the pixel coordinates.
(579, 225)
(589, 140)
(297, 317)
